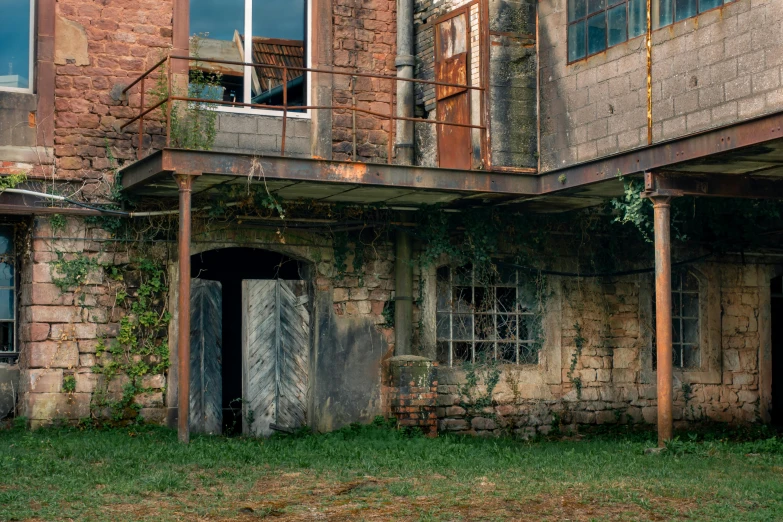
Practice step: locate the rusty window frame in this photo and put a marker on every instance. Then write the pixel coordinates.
(448, 314)
(679, 321)
(609, 5)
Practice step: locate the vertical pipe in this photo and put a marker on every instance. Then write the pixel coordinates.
(181, 34)
(169, 102)
(390, 144)
(353, 115)
(185, 183)
(649, 74)
(404, 62)
(403, 294)
(663, 316)
(139, 152)
(285, 108)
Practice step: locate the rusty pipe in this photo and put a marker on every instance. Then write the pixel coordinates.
(663, 315)
(185, 184)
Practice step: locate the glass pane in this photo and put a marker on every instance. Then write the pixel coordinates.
(637, 18)
(526, 327)
(507, 353)
(576, 41)
(443, 274)
(485, 352)
(278, 39)
(462, 300)
(665, 13)
(617, 25)
(690, 305)
(676, 304)
(15, 53)
(704, 5)
(444, 326)
(677, 355)
(528, 354)
(676, 330)
(596, 33)
(463, 275)
(7, 337)
(505, 299)
(462, 353)
(690, 283)
(6, 238)
(462, 327)
(507, 327)
(6, 274)
(443, 352)
(485, 326)
(684, 9)
(507, 276)
(595, 5)
(481, 303)
(690, 356)
(690, 331)
(6, 304)
(215, 29)
(576, 9)
(444, 296)
(452, 36)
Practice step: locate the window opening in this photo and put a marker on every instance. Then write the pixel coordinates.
(277, 37)
(596, 25)
(685, 322)
(479, 322)
(16, 45)
(8, 347)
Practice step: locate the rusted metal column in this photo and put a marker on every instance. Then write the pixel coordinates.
(663, 315)
(185, 183)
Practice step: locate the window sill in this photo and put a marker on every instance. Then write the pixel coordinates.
(262, 112)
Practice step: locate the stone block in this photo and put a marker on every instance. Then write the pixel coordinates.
(455, 411)
(87, 382)
(149, 400)
(740, 379)
(52, 406)
(481, 423)
(49, 354)
(55, 314)
(624, 375)
(747, 396)
(42, 381)
(74, 331)
(153, 415)
(238, 123)
(605, 417)
(603, 375)
(49, 294)
(153, 381)
(625, 357)
(452, 425)
(650, 414)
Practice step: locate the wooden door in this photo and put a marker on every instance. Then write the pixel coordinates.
(453, 103)
(206, 355)
(275, 355)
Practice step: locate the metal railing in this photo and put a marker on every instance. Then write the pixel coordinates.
(286, 107)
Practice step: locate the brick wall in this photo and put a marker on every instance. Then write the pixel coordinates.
(411, 391)
(712, 70)
(365, 40)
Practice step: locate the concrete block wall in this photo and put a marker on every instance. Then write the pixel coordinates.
(256, 134)
(715, 69)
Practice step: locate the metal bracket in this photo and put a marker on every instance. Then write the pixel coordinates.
(404, 60)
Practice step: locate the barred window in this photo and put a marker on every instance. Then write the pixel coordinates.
(8, 348)
(596, 25)
(488, 320)
(685, 321)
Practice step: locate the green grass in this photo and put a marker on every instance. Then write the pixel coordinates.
(373, 473)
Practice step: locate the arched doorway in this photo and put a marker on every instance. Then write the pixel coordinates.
(249, 341)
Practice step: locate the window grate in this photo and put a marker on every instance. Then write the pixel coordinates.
(686, 314)
(481, 322)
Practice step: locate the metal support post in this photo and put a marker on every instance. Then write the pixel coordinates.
(403, 294)
(663, 315)
(185, 183)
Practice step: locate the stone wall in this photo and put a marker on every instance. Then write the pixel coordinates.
(610, 378)
(715, 69)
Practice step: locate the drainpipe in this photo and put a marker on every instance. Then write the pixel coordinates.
(403, 294)
(405, 62)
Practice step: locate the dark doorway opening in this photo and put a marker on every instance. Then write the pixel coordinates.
(230, 266)
(776, 319)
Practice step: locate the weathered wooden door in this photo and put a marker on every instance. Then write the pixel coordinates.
(206, 355)
(453, 103)
(275, 355)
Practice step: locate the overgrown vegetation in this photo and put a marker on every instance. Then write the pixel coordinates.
(372, 472)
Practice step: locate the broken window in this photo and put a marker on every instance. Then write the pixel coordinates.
(596, 25)
(686, 314)
(267, 33)
(7, 294)
(16, 45)
(486, 318)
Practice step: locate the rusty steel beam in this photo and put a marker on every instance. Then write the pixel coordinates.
(713, 185)
(304, 169)
(185, 184)
(663, 315)
(665, 154)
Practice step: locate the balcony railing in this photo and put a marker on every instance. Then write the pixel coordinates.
(166, 101)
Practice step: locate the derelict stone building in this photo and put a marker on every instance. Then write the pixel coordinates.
(276, 214)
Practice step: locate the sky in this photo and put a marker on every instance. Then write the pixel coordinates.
(15, 38)
(271, 18)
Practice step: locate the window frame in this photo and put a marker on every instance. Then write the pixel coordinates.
(247, 77)
(30, 89)
(12, 355)
(517, 313)
(628, 38)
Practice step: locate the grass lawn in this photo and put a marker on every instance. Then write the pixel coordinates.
(374, 473)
